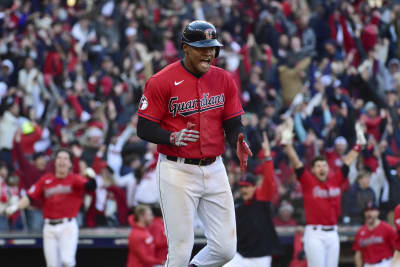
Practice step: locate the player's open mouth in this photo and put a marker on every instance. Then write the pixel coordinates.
(205, 63)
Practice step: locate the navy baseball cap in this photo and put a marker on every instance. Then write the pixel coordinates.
(371, 206)
(248, 180)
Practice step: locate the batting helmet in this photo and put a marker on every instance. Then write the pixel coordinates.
(200, 33)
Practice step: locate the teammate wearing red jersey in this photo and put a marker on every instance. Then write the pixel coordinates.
(187, 109)
(396, 257)
(62, 195)
(374, 241)
(322, 197)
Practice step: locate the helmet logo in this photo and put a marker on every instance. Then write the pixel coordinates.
(209, 34)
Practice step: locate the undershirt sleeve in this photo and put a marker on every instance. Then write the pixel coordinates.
(232, 128)
(299, 172)
(152, 132)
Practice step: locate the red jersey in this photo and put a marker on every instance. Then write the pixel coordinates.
(62, 197)
(376, 244)
(174, 96)
(397, 224)
(321, 199)
(142, 248)
(160, 239)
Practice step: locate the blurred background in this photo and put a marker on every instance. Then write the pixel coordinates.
(72, 73)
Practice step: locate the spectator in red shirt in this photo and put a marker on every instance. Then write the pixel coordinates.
(142, 247)
(157, 230)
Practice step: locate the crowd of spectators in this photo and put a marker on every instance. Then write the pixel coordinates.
(72, 74)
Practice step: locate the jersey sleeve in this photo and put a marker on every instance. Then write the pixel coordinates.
(35, 192)
(153, 103)
(79, 182)
(268, 186)
(232, 107)
(356, 245)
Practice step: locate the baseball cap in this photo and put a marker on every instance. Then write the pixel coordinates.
(340, 140)
(371, 205)
(369, 105)
(38, 155)
(248, 180)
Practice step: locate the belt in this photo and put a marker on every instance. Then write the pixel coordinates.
(199, 162)
(57, 221)
(326, 229)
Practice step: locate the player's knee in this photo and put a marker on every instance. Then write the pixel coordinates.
(227, 251)
(180, 251)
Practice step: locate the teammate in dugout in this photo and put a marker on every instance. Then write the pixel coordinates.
(396, 257)
(62, 195)
(257, 238)
(374, 241)
(322, 197)
(187, 109)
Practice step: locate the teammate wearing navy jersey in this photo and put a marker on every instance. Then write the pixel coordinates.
(62, 194)
(257, 238)
(322, 200)
(187, 109)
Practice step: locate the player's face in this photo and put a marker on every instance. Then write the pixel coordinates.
(198, 59)
(371, 216)
(41, 162)
(320, 170)
(247, 192)
(63, 162)
(148, 217)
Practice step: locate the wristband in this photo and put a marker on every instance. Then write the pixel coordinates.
(357, 148)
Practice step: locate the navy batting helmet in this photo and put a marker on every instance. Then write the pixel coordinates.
(201, 33)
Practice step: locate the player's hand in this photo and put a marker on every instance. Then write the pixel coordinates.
(287, 132)
(361, 140)
(11, 209)
(90, 173)
(242, 152)
(184, 136)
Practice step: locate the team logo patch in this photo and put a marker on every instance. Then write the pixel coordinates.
(190, 107)
(209, 34)
(398, 222)
(143, 103)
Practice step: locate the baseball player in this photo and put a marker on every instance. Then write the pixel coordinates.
(62, 195)
(322, 197)
(257, 238)
(187, 109)
(374, 241)
(396, 257)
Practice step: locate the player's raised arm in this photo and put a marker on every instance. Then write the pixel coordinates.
(361, 141)
(287, 141)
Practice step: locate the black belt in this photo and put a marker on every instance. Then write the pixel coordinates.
(199, 162)
(326, 229)
(55, 222)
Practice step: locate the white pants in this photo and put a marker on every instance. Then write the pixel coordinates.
(384, 263)
(240, 261)
(186, 189)
(321, 247)
(60, 243)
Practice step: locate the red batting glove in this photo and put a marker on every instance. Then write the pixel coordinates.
(242, 152)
